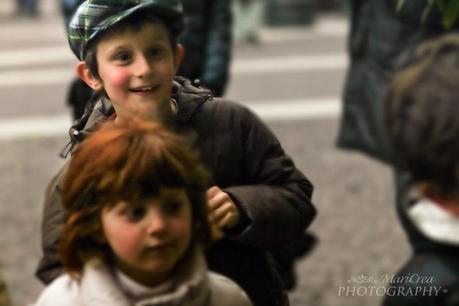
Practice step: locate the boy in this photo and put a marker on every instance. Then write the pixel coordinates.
(207, 40)
(422, 118)
(258, 199)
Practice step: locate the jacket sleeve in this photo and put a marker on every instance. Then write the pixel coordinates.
(225, 292)
(53, 217)
(277, 197)
(218, 46)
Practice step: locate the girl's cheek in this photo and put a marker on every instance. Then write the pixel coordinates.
(183, 230)
(126, 242)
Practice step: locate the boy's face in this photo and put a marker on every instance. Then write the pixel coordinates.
(136, 69)
(150, 236)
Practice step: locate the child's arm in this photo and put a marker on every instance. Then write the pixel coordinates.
(223, 213)
(53, 217)
(250, 166)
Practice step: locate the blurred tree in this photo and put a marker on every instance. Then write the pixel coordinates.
(449, 10)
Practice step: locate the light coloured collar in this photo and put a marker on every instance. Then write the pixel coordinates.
(434, 222)
(189, 285)
(137, 291)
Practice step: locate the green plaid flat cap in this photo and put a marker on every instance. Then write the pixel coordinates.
(95, 16)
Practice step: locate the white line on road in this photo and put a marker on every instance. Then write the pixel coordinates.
(307, 109)
(239, 67)
(36, 77)
(34, 127)
(304, 109)
(326, 26)
(289, 64)
(42, 55)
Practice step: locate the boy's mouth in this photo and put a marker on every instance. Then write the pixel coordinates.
(145, 89)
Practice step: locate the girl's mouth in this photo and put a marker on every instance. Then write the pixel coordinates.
(159, 249)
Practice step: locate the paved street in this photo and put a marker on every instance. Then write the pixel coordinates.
(292, 79)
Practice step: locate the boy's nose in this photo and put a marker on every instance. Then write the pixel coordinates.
(142, 66)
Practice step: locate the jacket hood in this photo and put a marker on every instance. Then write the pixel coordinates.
(188, 97)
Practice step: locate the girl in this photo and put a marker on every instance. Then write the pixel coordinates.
(135, 198)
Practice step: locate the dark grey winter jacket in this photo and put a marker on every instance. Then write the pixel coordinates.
(248, 162)
(378, 36)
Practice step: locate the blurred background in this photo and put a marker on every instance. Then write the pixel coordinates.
(289, 64)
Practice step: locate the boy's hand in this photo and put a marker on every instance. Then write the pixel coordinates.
(223, 213)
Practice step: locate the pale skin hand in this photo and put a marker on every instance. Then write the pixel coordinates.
(223, 213)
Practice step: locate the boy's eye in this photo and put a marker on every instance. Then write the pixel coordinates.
(156, 51)
(135, 213)
(122, 57)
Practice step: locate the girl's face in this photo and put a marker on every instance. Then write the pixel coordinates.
(149, 237)
(136, 69)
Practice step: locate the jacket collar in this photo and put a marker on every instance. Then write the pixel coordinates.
(190, 285)
(188, 97)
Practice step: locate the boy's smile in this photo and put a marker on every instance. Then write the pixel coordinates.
(145, 90)
(136, 69)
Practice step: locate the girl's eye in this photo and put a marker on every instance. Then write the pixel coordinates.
(135, 213)
(172, 208)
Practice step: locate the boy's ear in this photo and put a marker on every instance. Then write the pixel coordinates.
(179, 55)
(86, 75)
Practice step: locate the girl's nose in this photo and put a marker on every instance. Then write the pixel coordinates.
(156, 223)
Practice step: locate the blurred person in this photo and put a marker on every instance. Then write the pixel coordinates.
(422, 119)
(27, 8)
(136, 224)
(257, 198)
(248, 20)
(68, 8)
(78, 93)
(380, 32)
(207, 40)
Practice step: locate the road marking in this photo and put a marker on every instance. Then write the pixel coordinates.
(42, 55)
(304, 109)
(239, 67)
(53, 126)
(36, 77)
(289, 64)
(34, 127)
(324, 26)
